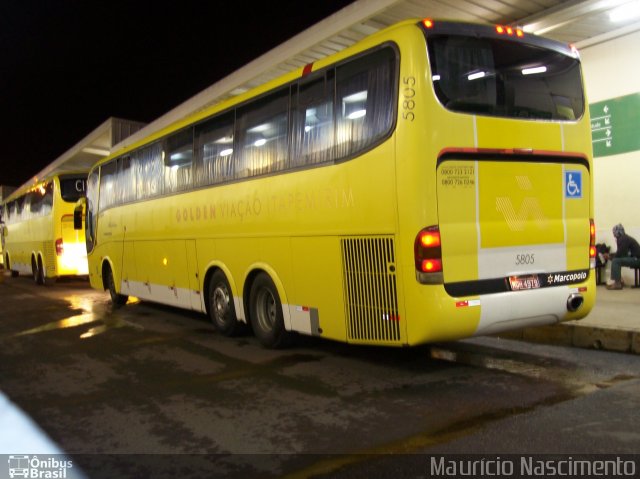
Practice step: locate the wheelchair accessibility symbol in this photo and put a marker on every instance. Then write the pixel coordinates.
(573, 184)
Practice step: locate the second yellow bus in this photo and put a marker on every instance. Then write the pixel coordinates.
(38, 235)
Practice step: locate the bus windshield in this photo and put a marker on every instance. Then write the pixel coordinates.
(505, 78)
(72, 188)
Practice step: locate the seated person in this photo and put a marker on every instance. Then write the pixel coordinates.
(627, 254)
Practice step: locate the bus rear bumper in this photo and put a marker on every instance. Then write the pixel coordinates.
(524, 309)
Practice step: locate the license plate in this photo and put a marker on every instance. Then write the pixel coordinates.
(519, 283)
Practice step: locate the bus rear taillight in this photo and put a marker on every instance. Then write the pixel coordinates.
(507, 30)
(592, 244)
(428, 23)
(428, 256)
(59, 247)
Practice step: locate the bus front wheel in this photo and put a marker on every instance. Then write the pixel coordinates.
(116, 298)
(221, 308)
(266, 314)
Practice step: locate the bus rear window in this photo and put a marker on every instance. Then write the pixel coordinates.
(72, 188)
(505, 78)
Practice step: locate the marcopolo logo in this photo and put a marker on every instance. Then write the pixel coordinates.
(566, 278)
(34, 467)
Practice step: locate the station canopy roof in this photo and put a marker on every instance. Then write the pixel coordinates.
(81, 156)
(580, 22)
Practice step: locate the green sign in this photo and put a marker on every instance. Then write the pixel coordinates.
(615, 125)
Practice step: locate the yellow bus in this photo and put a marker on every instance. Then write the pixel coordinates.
(432, 182)
(38, 234)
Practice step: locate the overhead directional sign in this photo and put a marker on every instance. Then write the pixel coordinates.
(615, 125)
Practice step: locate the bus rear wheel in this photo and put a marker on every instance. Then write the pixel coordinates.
(42, 276)
(116, 298)
(37, 270)
(221, 308)
(266, 314)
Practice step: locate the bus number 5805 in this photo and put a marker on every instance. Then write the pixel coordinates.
(408, 103)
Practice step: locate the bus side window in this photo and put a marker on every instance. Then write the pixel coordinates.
(214, 151)
(108, 182)
(34, 200)
(20, 208)
(178, 160)
(149, 168)
(313, 122)
(41, 200)
(365, 93)
(92, 202)
(263, 136)
(126, 181)
(47, 199)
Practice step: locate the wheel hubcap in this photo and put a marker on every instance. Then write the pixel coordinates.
(266, 310)
(220, 302)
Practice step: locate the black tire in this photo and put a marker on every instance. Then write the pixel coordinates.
(42, 278)
(7, 264)
(265, 309)
(116, 298)
(35, 273)
(222, 310)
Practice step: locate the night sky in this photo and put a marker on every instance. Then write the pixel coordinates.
(66, 66)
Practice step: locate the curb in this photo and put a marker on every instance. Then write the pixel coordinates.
(575, 335)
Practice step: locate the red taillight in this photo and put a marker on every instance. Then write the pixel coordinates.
(429, 239)
(59, 247)
(592, 239)
(574, 50)
(431, 265)
(428, 251)
(502, 30)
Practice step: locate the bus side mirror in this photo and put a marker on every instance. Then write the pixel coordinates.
(78, 213)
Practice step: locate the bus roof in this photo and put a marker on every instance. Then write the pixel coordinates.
(565, 23)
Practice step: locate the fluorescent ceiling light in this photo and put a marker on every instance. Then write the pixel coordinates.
(356, 114)
(96, 151)
(625, 12)
(475, 76)
(259, 128)
(355, 97)
(534, 70)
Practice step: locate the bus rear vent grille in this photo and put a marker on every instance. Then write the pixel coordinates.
(49, 256)
(370, 292)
